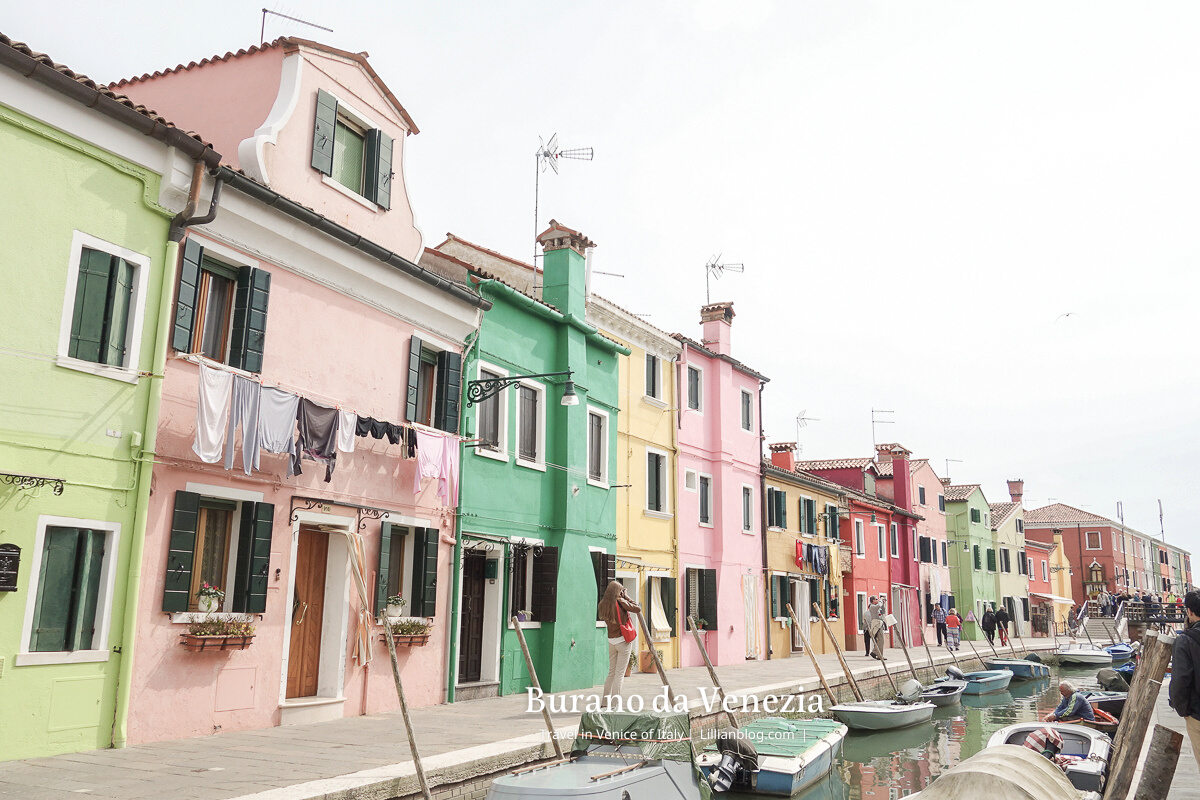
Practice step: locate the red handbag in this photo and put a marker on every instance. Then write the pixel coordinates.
(628, 631)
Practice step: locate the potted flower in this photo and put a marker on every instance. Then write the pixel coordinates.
(395, 606)
(524, 616)
(209, 598)
(235, 633)
(409, 631)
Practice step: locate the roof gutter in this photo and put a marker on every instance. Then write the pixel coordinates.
(592, 334)
(256, 190)
(114, 109)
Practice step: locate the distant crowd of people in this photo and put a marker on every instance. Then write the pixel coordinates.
(1168, 604)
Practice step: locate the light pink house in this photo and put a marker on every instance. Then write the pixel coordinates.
(720, 496)
(306, 281)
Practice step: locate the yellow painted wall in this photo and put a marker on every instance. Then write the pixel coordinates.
(1060, 581)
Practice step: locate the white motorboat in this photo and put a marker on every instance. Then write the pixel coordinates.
(1090, 746)
(882, 715)
(1084, 653)
(774, 756)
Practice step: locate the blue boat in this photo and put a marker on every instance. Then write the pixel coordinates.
(1021, 670)
(1120, 652)
(789, 754)
(1126, 671)
(988, 680)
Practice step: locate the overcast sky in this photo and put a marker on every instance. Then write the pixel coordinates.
(918, 191)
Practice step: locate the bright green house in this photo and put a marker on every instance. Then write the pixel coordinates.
(86, 241)
(973, 557)
(537, 509)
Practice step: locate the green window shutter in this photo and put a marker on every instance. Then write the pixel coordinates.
(186, 295)
(91, 306)
(414, 379)
(775, 597)
(782, 508)
(254, 558)
(991, 560)
(708, 598)
(52, 613)
(424, 584)
(810, 516)
(88, 563)
(181, 552)
(323, 128)
(449, 393)
(975, 552)
(385, 561)
(545, 585)
(669, 600)
(379, 168)
(120, 298)
(250, 319)
(770, 507)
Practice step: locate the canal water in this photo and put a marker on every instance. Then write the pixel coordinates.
(888, 765)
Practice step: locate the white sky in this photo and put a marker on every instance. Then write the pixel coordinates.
(917, 190)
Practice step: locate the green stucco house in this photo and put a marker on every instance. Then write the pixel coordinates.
(974, 561)
(537, 509)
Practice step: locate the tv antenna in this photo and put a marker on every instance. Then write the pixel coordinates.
(948, 462)
(715, 269)
(262, 34)
(1161, 529)
(802, 420)
(875, 420)
(548, 154)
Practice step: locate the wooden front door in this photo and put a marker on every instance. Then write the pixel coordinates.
(308, 611)
(470, 656)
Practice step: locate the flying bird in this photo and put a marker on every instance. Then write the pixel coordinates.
(1060, 316)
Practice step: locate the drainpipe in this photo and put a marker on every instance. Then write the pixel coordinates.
(455, 581)
(145, 457)
(762, 493)
(677, 646)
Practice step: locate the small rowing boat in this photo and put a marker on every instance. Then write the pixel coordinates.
(773, 756)
(1086, 749)
(987, 681)
(1083, 653)
(1022, 670)
(881, 715)
(1120, 652)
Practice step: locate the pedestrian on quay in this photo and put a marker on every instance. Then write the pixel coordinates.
(1002, 620)
(875, 627)
(939, 622)
(1074, 706)
(615, 611)
(953, 629)
(988, 623)
(1184, 688)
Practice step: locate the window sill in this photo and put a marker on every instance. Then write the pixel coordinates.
(654, 401)
(60, 657)
(494, 455)
(705, 524)
(534, 465)
(188, 617)
(598, 484)
(526, 626)
(748, 531)
(656, 514)
(122, 374)
(353, 195)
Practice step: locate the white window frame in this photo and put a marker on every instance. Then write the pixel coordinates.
(359, 119)
(860, 608)
(664, 472)
(694, 477)
(404, 583)
(700, 498)
(745, 395)
(916, 551)
(1005, 558)
(602, 482)
(1045, 571)
(127, 372)
(860, 539)
(747, 525)
(920, 494)
(837, 528)
(104, 602)
(531, 624)
(540, 462)
(801, 519)
(881, 540)
(501, 451)
(653, 398)
(894, 540)
(1099, 540)
(699, 409)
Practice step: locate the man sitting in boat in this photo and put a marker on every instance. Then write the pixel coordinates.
(1074, 706)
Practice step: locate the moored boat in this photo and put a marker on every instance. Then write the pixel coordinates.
(1022, 670)
(987, 681)
(1083, 653)
(1087, 750)
(1111, 702)
(1003, 772)
(789, 755)
(1120, 652)
(943, 693)
(882, 715)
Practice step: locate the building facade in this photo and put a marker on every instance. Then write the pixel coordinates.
(973, 558)
(1012, 564)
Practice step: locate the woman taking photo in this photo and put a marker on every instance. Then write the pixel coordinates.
(616, 610)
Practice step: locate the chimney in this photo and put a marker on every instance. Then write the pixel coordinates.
(715, 322)
(945, 481)
(901, 478)
(1016, 489)
(564, 269)
(783, 455)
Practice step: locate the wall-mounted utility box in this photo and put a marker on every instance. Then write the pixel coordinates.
(10, 565)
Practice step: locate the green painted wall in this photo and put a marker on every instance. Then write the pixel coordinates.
(557, 505)
(970, 584)
(56, 420)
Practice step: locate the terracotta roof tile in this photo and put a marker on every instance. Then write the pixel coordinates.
(1000, 512)
(1061, 513)
(450, 237)
(835, 463)
(146, 76)
(960, 491)
(740, 365)
(884, 468)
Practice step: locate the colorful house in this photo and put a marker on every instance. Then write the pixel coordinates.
(299, 298)
(1012, 575)
(1097, 548)
(803, 550)
(719, 499)
(1048, 576)
(537, 510)
(973, 560)
(85, 218)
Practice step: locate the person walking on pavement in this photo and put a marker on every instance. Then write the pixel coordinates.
(874, 628)
(988, 623)
(1002, 620)
(1184, 689)
(939, 622)
(615, 610)
(953, 629)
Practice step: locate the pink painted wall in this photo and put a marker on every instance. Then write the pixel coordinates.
(712, 441)
(175, 692)
(868, 573)
(933, 526)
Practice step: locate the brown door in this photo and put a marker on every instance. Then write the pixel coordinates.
(470, 657)
(308, 606)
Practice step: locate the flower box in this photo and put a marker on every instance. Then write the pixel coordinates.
(197, 644)
(406, 640)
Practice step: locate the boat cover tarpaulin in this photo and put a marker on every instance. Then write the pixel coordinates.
(658, 735)
(785, 738)
(1003, 772)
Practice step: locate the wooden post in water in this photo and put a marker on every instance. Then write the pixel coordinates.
(712, 673)
(1135, 719)
(811, 655)
(858, 695)
(976, 652)
(662, 673)
(1159, 768)
(904, 647)
(533, 677)
(412, 739)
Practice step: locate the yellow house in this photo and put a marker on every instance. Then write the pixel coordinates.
(647, 447)
(1060, 580)
(800, 531)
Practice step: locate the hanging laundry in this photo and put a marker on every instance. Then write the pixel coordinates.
(212, 413)
(437, 457)
(395, 433)
(822, 560)
(369, 426)
(347, 427)
(410, 442)
(276, 420)
(318, 437)
(799, 554)
(244, 409)
(448, 488)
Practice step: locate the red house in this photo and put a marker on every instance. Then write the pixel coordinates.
(1093, 544)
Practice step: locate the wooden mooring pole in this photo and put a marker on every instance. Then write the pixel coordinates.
(811, 655)
(534, 679)
(1135, 719)
(412, 738)
(903, 646)
(662, 673)
(712, 673)
(1159, 769)
(858, 695)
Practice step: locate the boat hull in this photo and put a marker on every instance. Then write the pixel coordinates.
(1085, 655)
(988, 681)
(882, 715)
(661, 780)
(1021, 670)
(1090, 745)
(792, 755)
(946, 693)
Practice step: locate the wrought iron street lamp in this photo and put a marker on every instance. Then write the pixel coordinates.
(480, 390)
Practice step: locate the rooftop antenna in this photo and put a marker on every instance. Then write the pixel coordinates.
(948, 462)
(715, 269)
(548, 154)
(802, 420)
(876, 421)
(262, 34)
(1161, 529)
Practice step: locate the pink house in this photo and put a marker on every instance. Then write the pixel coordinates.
(719, 496)
(303, 295)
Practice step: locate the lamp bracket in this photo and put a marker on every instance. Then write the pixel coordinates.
(480, 390)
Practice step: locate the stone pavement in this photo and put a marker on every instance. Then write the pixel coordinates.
(369, 756)
(1186, 784)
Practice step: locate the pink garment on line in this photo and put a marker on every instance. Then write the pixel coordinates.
(437, 457)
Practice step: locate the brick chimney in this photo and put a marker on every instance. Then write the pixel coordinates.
(1016, 489)
(945, 481)
(901, 478)
(715, 323)
(783, 455)
(564, 268)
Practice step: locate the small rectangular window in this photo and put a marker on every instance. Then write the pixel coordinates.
(975, 515)
(655, 477)
(881, 544)
(860, 542)
(705, 500)
(1093, 540)
(747, 410)
(747, 508)
(349, 148)
(527, 424)
(921, 495)
(945, 556)
(689, 480)
(653, 388)
(942, 503)
(68, 593)
(103, 308)
(213, 539)
(895, 541)
(596, 446)
(489, 416)
(694, 387)
(831, 523)
(1045, 571)
(975, 550)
